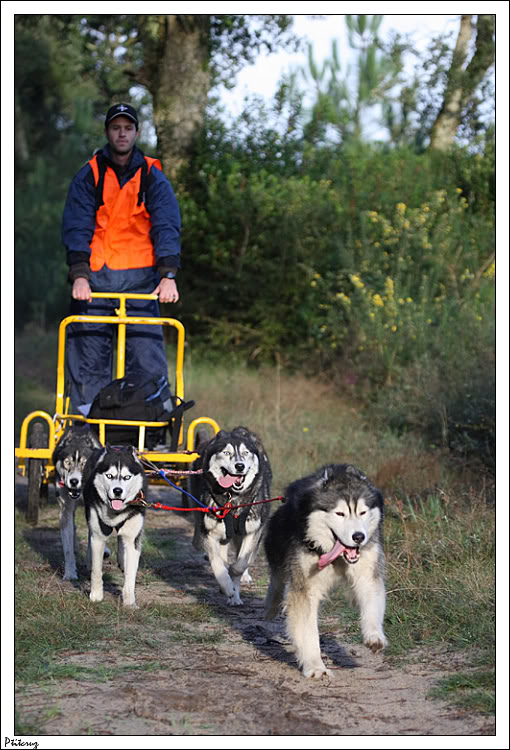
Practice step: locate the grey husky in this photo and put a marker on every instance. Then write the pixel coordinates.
(235, 469)
(69, 458)
(112, 480)
(329, 531)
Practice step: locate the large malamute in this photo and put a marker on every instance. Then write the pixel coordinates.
(69, 458)
(235, 469)
(328, 531)
(112, 480)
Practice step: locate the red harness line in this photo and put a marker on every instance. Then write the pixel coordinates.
(220, 512)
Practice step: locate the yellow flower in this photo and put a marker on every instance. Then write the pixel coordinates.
(401, 301)
(345, 299)
(313, 283)
(389, 286)
(409, 299)
(459, 190)
(357, 282)
(401, 208)
(377, 300)
(371, 315)
(491, 271)
(393, 328)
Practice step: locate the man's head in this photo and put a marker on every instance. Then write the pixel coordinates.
(121, 110)
(121, 128)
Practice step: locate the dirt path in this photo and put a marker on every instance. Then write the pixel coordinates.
(248, 682)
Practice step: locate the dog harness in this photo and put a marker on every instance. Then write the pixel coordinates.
(122, 235)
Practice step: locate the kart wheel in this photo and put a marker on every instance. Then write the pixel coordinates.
(35, 475)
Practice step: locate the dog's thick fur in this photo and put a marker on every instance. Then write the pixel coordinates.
(112, 479)
(328, 531)
(69, 458)
(235, 468)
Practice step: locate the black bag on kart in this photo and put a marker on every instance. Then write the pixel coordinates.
(134, 398)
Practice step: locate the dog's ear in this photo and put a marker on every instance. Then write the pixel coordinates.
(355, 472)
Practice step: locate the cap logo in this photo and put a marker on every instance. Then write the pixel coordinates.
(122, 108)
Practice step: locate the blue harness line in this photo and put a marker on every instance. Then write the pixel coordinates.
(162, 474)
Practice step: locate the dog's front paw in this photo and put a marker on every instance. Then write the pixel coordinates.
(234, 600)
(246, 577)
(317, 672)
(375, 642)
(70, 575)
(96, 596)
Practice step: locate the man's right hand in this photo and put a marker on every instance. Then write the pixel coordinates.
(81, 290)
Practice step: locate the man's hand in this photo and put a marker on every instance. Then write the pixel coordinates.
(81, 290)
(167, 290)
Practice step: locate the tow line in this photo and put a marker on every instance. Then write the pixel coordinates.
(219, 512)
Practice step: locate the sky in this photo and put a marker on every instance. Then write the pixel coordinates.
(262, 77)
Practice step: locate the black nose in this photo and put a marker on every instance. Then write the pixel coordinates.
(239, 468)
(117, 491)
(358, 537)
(73, 482)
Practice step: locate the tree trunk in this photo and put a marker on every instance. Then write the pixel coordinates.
(462, 84)
(176, 72)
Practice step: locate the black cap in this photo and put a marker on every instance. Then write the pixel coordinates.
(126, 110)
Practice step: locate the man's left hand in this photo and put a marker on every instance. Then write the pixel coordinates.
(167, 290)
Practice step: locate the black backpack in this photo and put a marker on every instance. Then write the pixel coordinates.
(135, 398)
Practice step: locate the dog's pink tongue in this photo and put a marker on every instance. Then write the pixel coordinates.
(226, 481)
(328, 557)
(117, 504)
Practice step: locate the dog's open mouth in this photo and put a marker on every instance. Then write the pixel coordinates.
(73, 493)
(226, 480)
(350, 554)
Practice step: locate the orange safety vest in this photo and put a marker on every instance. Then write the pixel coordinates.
(121, 238)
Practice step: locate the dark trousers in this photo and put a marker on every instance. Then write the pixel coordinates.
(91, 348)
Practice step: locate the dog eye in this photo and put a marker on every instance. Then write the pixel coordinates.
(109, 476)
(339, 513)
(362, 513)
(127, 477)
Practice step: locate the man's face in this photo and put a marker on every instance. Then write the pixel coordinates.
(121, 134)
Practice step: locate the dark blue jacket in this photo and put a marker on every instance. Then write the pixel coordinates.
(79, 222)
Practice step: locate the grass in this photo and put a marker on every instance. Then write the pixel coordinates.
(474, 690)
(439, 540)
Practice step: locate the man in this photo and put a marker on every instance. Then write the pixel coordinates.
(121, 230)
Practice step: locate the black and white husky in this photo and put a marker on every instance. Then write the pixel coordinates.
(69, 458)
(235, 469)
(328, 531)
(114, 478)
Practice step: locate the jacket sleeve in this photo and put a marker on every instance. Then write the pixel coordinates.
(165, 216)
(79, 221)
